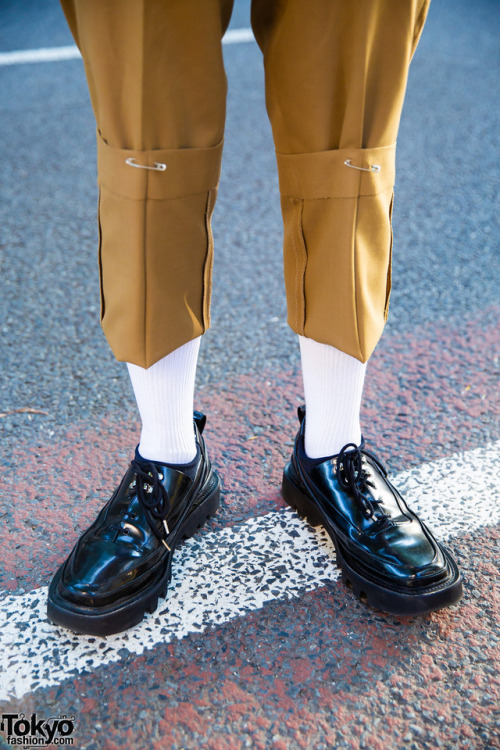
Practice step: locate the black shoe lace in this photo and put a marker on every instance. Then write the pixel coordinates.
(152, 494)
(353, 478)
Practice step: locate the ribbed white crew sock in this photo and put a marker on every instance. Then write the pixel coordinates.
(164, 394)
(333, 386)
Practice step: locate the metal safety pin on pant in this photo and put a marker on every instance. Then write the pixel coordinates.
(371, 168)
(158, 167)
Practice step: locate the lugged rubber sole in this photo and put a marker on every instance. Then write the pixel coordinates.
(395, 599)
(119, 616)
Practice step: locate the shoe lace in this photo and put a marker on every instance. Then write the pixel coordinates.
(353, 478)
(152, 494)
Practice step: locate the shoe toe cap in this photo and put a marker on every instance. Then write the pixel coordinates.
(413, 557)
(96, 572)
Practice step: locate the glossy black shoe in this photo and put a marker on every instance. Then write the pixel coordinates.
(122, 563)
(386, 554)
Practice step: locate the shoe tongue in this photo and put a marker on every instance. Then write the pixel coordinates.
(311, 463)
(189, 469)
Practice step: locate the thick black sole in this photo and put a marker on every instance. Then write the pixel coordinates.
(395, 600)
(120, 616)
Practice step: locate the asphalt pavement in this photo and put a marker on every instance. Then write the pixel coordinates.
(295, 662)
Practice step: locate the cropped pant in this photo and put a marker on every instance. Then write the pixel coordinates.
(335, 76)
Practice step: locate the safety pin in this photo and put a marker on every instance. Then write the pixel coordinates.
(158, 167)
(371, 168)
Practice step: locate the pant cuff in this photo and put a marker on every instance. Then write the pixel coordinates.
(178, 172)
(337, 210)
(343, 173)
(155, 247)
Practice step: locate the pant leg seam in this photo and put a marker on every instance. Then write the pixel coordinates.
(208, 265)
(145, 274)
(354, 262)
(300, 267)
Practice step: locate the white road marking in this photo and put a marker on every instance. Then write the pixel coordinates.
(226, 574)
(55, 54)
(46, 54)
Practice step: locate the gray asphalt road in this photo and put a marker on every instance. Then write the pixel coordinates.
(446, 221)
(320, 670)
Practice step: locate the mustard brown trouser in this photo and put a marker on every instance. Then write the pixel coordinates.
(335, 72)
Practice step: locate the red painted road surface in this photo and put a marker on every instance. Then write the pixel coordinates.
(321, 671)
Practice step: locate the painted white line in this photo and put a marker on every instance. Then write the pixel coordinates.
(226, 574)
(55, 54)
(220, 576)
(47, 54)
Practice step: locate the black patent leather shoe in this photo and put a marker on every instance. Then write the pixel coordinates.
(122, 563)
(386, 554)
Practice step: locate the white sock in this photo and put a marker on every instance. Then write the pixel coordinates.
(333, 386)
(164, 394)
